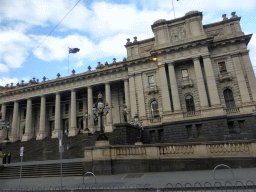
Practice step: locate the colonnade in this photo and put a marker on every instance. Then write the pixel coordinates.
(43, 130)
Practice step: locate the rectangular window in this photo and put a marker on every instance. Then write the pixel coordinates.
(189, 131)
(184, 73)
(199, 129)
(53, 111)
(231, 127)
(242, 126)
(24, 114)
(151, 81)
(160, 135)
(80, 106)
(66, 108)
(152, 136)
(222, 67)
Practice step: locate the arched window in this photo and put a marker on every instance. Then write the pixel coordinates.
(229, 98)
(190, 103)
(154, 109)
(23, 130)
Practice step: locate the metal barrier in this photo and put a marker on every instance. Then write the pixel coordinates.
(89, 173)
(222, 165)
(223, 186)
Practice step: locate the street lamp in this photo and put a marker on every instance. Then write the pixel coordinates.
(137, 123)
(101, 111)
(126, 112)
(87, 117)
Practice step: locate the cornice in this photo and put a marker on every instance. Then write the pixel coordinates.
(183, 46)
(221, 22)
(244, 38)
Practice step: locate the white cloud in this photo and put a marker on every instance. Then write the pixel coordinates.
(6, 80)
(3, 68)
(79, 64)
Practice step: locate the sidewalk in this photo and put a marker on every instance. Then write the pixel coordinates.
(156, 180)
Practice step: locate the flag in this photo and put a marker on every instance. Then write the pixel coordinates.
(73, 50)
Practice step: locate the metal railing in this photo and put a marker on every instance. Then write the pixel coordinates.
(234, 186)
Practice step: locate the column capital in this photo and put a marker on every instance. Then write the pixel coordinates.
(73, 89)
(89, 87)
(107, 82)
(170, 63)
(58, 93)
(126, 80)
(206, 56)
(195, 58)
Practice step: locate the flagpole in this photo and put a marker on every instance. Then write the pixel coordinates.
(68, 61)
(173, 9)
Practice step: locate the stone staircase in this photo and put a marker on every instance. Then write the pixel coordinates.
(43, 170)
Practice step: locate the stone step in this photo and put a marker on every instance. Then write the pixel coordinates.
(43, 170)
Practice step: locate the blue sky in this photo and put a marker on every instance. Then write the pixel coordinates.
(98, 28)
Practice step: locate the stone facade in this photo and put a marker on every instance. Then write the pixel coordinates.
(190, 82)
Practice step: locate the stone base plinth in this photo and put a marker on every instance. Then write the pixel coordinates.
(26, 137)
(72, 132)
(55, 134)
(14, 138)
(109, 128)
(41, 135)
(101, 143)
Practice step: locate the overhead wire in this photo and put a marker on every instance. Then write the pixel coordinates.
(44, 39)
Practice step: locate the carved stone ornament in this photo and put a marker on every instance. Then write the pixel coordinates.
(73, 71)
(146, 48)
(58, 75)
(215, 32)
(128, 42)
(178, 33)
(159, 21)
(224, 16)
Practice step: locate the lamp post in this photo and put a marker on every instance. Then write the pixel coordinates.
(86, 117)
(138, 123)
(101, 111)
(126, 112)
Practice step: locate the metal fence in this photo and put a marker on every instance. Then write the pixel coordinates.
(226, 186)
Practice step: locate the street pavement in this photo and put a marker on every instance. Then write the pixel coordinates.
(156, 180)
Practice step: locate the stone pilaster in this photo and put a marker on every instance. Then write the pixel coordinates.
(90, 105)
(250, 74)
(3, 111)
(174, 88)
(241, 80)
(211, 82)
(200, 84)
(42, 129)
(132, 96)
(166, 103)
(28, 127)
(13, 136)
(140, 94)
(73, 125)
(109, 124)
(57, 122)
(127, 97)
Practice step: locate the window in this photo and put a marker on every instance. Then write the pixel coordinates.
(184, 73)
(66, 108)
(229, 99)
(154, 109)
(80, 106)
(222, 67)
(190, 103)
(199, 130)
(53, 110)
(24, 114)
(152, 136)
(189, 131)
(160, 135)
(151, 81)
(242, 126)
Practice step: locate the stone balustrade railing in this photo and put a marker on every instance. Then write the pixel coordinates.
(186, 150)
(232, 110)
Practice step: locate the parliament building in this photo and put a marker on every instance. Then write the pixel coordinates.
(189, 83)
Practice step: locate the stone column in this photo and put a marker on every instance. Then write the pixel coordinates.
(13, 136)
(240, 79)
(57, 122)
(28, 127)
(211, 82)
(140, 92)
(127, 98)
(42, 132)
(200, 84)
(73, 125)
(132, 96)
(3, 111)
(250, 74)
(109, 124)
(90, 105)
(174, 88)
(166, 102)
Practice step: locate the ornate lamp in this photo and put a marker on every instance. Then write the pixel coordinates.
(101, 111)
